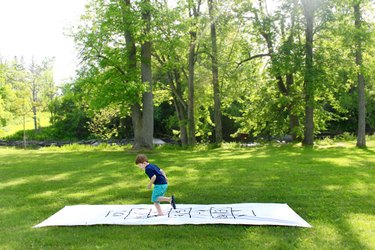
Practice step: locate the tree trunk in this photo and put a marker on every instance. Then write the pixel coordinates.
(34, 96)
(174, 81)
(141, 122)
(182, 121)
(24, 130)
(193, 13)
(183, 129)
(146, 73)
(139, 141)
(309, 10)
(361, 134)
(180, 104)
(215, 76)
(34, 91)
(191, 116)
(35, 118)
(282, 87)
(293, 118)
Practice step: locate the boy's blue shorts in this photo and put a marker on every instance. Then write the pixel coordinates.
(159, 190)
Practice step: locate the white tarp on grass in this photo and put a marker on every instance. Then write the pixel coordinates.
(241, 214)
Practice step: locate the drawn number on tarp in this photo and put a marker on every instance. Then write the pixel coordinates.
(213, 212)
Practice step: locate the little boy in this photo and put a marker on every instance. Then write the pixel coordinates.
(159, 179)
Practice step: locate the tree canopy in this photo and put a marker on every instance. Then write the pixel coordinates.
(220, 70)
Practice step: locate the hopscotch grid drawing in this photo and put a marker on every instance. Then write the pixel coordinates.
(242, 213)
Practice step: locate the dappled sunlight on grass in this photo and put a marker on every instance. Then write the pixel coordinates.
(321, 145)
(336, 161)
(332, 188)
(95, 180)
(326, 233)
(360, 188)
(198, 160)
(13, 182)
(58, 177)
(363, 227)
(191, 173)
(43, 195)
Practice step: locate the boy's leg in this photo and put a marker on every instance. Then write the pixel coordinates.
(164, 199)
(158, 208)
(158, 196)
(169, 200)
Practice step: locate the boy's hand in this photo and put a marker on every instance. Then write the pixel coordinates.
(152, 180)
(164, 174)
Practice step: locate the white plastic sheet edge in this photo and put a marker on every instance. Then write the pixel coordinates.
(276, 214)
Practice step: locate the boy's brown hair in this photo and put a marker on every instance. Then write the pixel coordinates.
(141, 159)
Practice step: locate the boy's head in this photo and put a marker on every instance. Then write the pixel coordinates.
(141, 159)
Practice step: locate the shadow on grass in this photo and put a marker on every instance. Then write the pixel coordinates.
(320, 185)
(325, 186)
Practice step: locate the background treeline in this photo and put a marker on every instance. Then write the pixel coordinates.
(26, 90)
(209, 71)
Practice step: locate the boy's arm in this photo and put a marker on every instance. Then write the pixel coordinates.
(152, 180)
(164, 174)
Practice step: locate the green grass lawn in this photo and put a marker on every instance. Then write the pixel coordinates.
(17, 124)
(332, 187)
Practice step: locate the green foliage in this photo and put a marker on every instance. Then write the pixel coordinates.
(102, 147)
(345, 137)
(42, 134)
(102, 124)
(16, 125)
(25, 90)
(165, 120)
(70, 120)
(260, 60)
(325, 142)
(105, 77)
(6, 95)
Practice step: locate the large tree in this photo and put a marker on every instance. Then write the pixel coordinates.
(285, 57)
(361, 133)
(143, 117)
(172, 61)
(6, 94)
(215, 72)
(194, 13)
(22, 103)
(309, 9)
(41, 85)
(146, 72)
(270, 79)
(115, 44)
